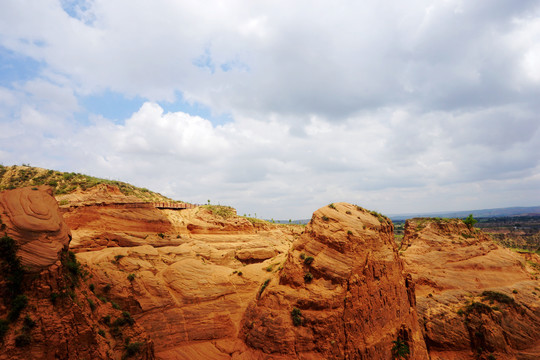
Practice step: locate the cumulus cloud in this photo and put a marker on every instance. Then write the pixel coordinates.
(424, 105)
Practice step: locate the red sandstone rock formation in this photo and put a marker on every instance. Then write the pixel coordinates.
(60, 315)
(31, 216)
(475, 298)
(342, 294)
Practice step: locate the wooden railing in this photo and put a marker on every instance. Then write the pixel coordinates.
(173, 205)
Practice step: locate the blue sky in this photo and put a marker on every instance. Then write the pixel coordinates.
(279, 108)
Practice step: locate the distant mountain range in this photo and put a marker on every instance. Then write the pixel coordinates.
(499, 212)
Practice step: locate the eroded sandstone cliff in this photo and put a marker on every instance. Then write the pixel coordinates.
(48, 309)
(342, 294)
(206, 286)
(475, 299)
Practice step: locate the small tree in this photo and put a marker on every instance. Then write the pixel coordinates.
(470, 221)
(400, 349)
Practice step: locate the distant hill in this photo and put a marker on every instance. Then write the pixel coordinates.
(499, 212)
(15, 176)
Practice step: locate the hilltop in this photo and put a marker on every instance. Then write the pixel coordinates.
(12, 177)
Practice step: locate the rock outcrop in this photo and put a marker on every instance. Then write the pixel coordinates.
(31, 216)
(53, 312)
(475, 299)
(342, 294)
(186, 276)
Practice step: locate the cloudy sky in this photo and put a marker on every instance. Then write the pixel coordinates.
(280, 107)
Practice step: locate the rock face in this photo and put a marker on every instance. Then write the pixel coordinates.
(342, 294)
(31, 216)
(186, 276)
(53, 312)
(474, 298)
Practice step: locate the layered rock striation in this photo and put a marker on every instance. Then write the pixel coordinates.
(475, 299)
(48, 307)
(32, 218)
(342, 294)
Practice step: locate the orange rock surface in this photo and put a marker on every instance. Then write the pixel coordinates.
(192, 279)
(193, 273)
(61, 317)
(353, 305)
(31, 216)
(475, 298)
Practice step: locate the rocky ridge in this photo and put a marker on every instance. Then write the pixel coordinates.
(342, 294)
(475, 299)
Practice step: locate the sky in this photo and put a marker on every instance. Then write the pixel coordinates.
(278, 108)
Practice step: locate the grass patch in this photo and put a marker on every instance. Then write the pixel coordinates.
(478, 307)
(498, 297)
(224, 212)
(263, 286)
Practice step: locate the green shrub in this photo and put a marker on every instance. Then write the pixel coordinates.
(92, 304)
(28, 323)
(497, 296)
(161, 235)
(125, 319)
(308, 277)
(478, 308)
(131, 349)
(101, 332)
(331, 206)
(72, 264)
(106, 320)
(11, 265)
(131, 277)
(18, 304)
(115, 305)
(92, 287)
(296, 316)
(400, 349)
(107, 288)
(302, 256)
(470, 221)
(264, 285)
(308, 260)
(325, 218)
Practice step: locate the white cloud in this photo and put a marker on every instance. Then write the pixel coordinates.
(388, 104)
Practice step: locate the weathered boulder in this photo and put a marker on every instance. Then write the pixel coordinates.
(32, 218)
